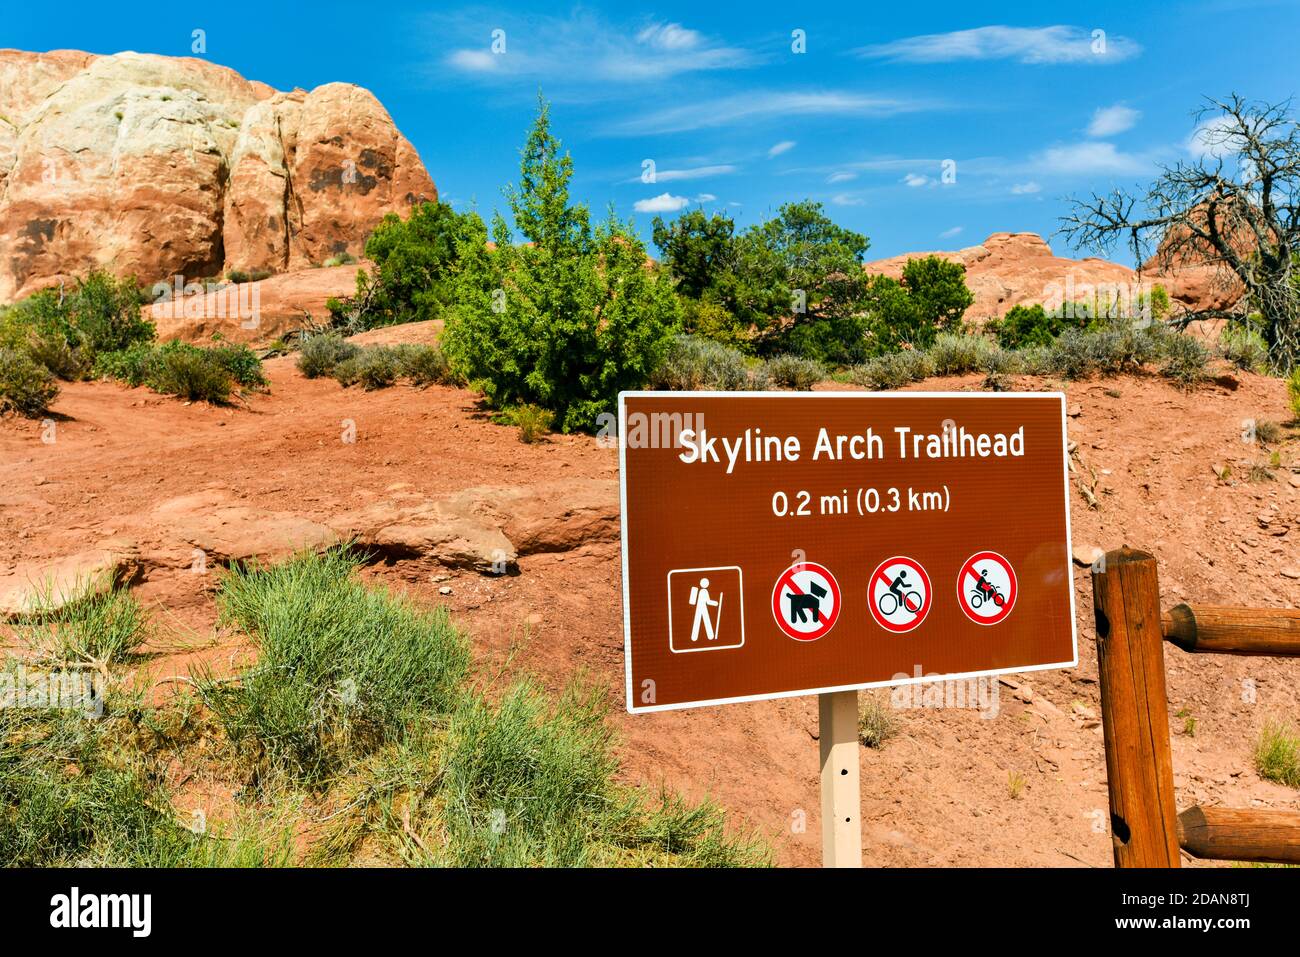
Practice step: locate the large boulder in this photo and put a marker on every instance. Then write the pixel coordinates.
(163, 166)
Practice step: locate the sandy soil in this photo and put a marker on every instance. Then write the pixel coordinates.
(939, 793)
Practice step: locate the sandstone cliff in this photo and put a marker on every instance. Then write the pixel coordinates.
(162, 166)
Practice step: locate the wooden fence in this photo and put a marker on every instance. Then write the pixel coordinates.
(1146, 828)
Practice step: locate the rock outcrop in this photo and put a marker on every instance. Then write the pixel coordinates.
(1012, 269)
(162, 167)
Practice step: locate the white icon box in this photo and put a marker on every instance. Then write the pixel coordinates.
(701, 596)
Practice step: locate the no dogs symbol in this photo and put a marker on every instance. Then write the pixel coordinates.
(806, 601)
(899, 594)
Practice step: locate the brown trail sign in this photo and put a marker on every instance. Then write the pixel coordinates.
(779, 544)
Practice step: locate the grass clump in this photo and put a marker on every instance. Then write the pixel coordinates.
(954, 354)
(893, 370)
(27, 388)
(341, 667)
(532, 421)
(1277, 754)
(373, 367)
(320, 354)
(101, 629)
(1244, 347)
(423, 365)
(367, 698)
(1293, 392)
(691, 363)
(74, 794)
(794, 372)
(876, 722)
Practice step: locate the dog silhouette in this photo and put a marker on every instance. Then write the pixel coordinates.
(800, 605)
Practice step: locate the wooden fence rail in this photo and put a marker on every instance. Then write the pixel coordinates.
(1146, 829)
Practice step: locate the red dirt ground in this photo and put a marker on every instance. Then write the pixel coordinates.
(939, 793)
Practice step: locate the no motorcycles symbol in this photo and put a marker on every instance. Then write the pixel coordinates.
(806, 601)
(899, 594)
(986, 588)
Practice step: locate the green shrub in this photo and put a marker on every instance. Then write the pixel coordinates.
(423, 365)
(1185, 361)
(340, 259)
(195, 373)
(415, 263)
(893, 370)
(26, 387)
(711, 320)
(959, 354)
(1244, 347)
(1293, 392)
(374, 367)
(692, 363)
(1025, 326)
(794, 372)
(72, 329)
(320, 353)
(569, 319)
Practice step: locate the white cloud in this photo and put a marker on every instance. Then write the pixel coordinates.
(584, 48)
(1055, 44)
(843, 176)
(669, 36)
(663, 203)
(756, 106)
(845, 199)
(1110, 120)
(1090, 158)
(695, 172)
(782, 147)
(705, 198)
(474, 61)
(914, 179)
(1025, 189)
(950, 233)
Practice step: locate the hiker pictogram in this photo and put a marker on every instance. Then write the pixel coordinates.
(806, 601)
(986, 588)
(705, 609)
(899, 594)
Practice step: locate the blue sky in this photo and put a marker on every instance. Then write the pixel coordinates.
(1029, 101)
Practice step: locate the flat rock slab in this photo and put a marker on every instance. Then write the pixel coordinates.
(227, 531)
(51, 585)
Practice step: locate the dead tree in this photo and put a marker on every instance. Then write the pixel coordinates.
(1233, 208)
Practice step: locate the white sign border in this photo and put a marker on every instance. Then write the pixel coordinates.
(892, 683)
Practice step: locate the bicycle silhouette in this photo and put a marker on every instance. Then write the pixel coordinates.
(888, 602)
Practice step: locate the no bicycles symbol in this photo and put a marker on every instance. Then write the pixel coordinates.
(899, 594)
(806, 601)
(986, 588)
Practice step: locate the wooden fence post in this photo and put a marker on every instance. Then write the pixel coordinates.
(1135, 710)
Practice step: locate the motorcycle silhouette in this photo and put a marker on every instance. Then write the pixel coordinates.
(978, 597)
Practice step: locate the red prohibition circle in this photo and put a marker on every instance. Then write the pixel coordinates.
(926, 601)
(963, 597)
(786, 578)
